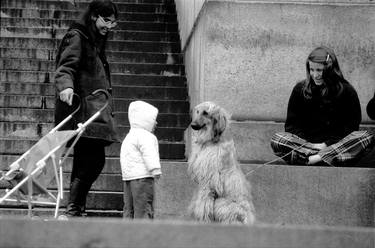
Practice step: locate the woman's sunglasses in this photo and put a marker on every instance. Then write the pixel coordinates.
(107, 22)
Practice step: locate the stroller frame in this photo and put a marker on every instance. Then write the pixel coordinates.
(57, 166)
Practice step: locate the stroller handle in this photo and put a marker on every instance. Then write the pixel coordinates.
(101, 91)
(79, 104)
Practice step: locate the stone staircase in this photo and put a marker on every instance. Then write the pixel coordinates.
(146, 63)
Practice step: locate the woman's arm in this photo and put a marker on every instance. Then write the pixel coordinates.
(69, 58)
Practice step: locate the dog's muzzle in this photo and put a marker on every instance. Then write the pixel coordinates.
(196, 127)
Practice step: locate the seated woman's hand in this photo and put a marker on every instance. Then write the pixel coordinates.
(319, 146)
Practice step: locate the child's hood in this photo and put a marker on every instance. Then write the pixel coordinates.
(142, 115)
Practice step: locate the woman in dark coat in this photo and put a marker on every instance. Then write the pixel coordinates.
(323, 117)
(82, 68)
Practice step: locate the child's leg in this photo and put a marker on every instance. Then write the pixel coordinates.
(128, 201)
(292, 148)
(143, 197)
(347, 149)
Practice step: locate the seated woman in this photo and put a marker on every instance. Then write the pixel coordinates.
(323, 117)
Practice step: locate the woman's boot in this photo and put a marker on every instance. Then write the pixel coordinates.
(77, 198)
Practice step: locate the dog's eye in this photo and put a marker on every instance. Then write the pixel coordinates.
(204, 112)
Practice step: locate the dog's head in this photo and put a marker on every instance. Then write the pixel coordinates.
(210, 120)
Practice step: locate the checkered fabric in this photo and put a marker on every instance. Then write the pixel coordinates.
(294, 150)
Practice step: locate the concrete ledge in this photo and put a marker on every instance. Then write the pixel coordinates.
(118, 233)
(281, 194)
(286, 194)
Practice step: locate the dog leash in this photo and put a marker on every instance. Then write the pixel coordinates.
(274, 160)
(279, 158)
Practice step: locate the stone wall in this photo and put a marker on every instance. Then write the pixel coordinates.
(247, 55)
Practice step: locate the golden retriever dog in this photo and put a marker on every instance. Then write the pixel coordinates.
(223, 193)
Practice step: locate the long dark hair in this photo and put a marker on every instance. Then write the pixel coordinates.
(332, 75)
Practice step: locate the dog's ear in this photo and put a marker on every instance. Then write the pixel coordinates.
(220, 122)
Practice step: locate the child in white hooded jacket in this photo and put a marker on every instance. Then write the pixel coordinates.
(140, 162)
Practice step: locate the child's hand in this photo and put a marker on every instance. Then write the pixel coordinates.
(156, 177)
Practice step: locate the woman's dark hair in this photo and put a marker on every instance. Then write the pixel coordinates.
(332, 75)
(97, 8)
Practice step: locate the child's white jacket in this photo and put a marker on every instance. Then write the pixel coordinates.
(139, 155)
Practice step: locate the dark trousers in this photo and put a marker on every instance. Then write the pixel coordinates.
(139, 198)
(88, 163)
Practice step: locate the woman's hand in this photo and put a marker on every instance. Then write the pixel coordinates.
(319, 146)
(67, 96)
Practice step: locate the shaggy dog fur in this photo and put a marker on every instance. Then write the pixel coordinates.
(223, 193)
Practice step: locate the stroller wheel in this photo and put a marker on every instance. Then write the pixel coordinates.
(62, 217)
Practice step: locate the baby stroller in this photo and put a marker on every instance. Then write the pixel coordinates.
(31, 174)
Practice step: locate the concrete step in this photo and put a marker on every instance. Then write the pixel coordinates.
(48, 213)
(29, 101)
(64, 23)
(85, 232)
(178, 120)
(26, 76)
(149, 92)
(24, 129)
(124, 46)
(20, 130)
(26, 115)
(167, 150)
(73, 14)
(151, 80)
(121, 104)
(116, 78)
(30, 53)
(44, 89)
(112, 164)
(106, 183)
(58, 33)
(117, 56)
(282, 195)
(152, 69)
(116, 67)
(160, 8)
(168, 106)
(96, 200)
